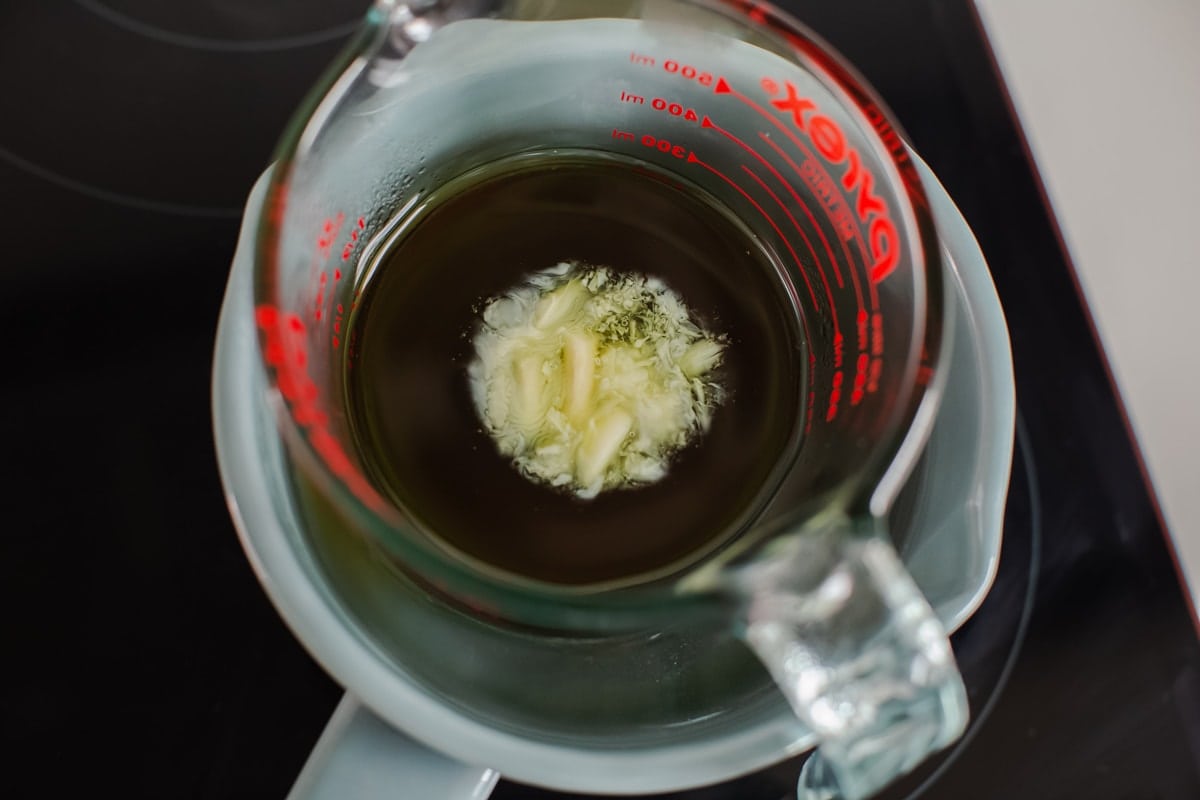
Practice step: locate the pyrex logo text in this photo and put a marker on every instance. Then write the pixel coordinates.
(830, 141)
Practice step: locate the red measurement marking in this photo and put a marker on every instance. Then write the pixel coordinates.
(771, 87)
(674, 109)
(908, 172)
(860, 378)
(828, 291)
(329, 233)
(833, 204)
(692, 159)
(348, 248)
(723, 87)
(688, 71)
(664, 146)
(835, 397)
(274, 354)
(817, 178)
(286, 353)
(337, 324)
(708, 123)
(873, 375)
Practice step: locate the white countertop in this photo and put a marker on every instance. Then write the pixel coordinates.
(1108, 92)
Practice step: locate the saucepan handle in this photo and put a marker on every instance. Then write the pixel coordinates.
(361, 756)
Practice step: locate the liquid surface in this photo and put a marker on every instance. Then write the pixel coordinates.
(411, 346)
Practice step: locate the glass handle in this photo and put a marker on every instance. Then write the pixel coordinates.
(857, 651)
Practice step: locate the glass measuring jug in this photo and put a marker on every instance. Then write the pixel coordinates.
(727, 101)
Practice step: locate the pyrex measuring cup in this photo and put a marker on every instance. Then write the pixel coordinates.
(730, 100)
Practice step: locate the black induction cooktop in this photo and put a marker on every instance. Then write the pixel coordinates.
(142, 657)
